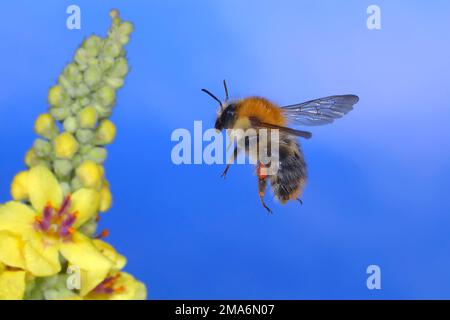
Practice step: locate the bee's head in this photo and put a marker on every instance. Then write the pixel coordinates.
(226, 117)
(227, 112)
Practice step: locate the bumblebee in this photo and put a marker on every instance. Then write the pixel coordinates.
(259, 113)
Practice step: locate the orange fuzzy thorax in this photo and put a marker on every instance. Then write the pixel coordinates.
(262, 109)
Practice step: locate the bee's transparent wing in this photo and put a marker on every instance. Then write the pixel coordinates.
(320, 111)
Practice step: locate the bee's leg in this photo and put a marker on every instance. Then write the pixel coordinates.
(230, 161)
(300, 200)
(262, 184)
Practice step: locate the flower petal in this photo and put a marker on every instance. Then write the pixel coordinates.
(12, 285)
(82, 253)
(108, 250)
(11, 248)
(17, 218)
(41, 259)
(91, 279)
(43, 188)
(86, 202)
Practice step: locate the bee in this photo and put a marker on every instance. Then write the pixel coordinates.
(259, 113)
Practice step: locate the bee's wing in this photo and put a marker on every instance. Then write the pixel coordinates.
(320, 111)
(299, 133)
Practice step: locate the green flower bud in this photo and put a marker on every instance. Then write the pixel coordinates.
(92, 76)
(126, 28)
(56, 96)
(102, 111)
(115, 83)
(68, 86)
(92, 45)
(73, 73)
(85, 136)
(82, 90)
(42, 148)
(62, 168)
(106, 63)
(84, 102)
(76, 183)
(60, 113)
(32, 159)
(112, 49)
(77, 160)
(97, 154)
(81, 57)
(71, 124)
(106, 96)
(120, 68)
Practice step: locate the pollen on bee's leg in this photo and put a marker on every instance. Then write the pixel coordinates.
(71, 230)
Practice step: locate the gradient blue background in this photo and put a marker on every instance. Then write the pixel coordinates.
(379, 179)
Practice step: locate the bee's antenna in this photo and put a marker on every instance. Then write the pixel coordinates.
(214, 97)
(226, 89)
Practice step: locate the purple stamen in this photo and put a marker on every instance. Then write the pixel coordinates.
(46, 218)
(64, 206)
(67, 224)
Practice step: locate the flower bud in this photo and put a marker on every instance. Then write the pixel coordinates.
(19, 186)
(55, 96)
(112, 49)
(120, 68)
(115, 83)
(62, 167)
(65, 146)
(76, 183)
(70, 124)
(42, 148)
(45, 126)
(126, 28)
(106, 132)
(92, 45)
(97, 154)
(106, 95)
(81, 57)
(89, 174)
(88, 117)
(85, 136)
(92, 76)
(60, 113)
(31, 158)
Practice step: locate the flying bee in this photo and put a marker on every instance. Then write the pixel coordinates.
(259, 113)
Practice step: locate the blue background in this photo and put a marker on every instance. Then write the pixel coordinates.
(379, 178)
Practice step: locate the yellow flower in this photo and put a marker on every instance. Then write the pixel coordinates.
(12, 284)
(90, 174)
(65, 146)
(106, 132)
(34, 236)
(118, 286)
(19, 186)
